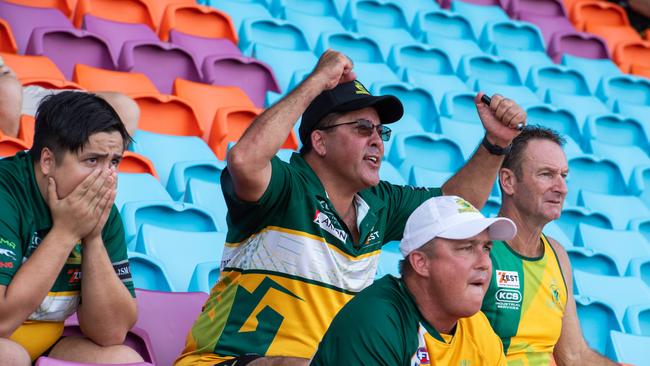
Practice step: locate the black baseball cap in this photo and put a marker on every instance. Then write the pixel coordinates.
(347, 97)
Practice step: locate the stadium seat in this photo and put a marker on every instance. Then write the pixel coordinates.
(26, 129)
(127, 11)
(9, 146)
(169, 215)
(24, 19)
(37, 70)
(553, 230)
(569, 42)
(418, 57)
(320, 8)
(460, 107)
(560, 120)
(592, 69)
(369, 64)
(289, 66)
(208, 195)
(615, 129)
(158, 7)
(239, 10)
(596, 319)
(428, 151)
(621, 246)
(167, 114)
(255, 78)
(205, 275)
(541, 7)
(572, 216)
(605, 19)
(640, 70)
(638, 112)
(7, 41)
(65, 6)
(620, 209)
(592, 261)
(624, 88)
(630, 349)
(591, 173)
(464, 133)
(633, 56)
(479, 15)
(640, 183)
(447, 31)
(117, 33)
(47, 361)
(491, 208)
(389, 173)
(582, 106)
(136, 163)
(640, 268)
(271, 32)
(148, 273)
(96, 79)
(208, 99)
(559, 79)
(551, 25)
(134, 187)
(202, 47)
(388, 262)
(313, 25)
(184, 171)
(418, 103)
(627, 157)
(185, 148)
(412, 7)
(179, 263)
(197, 20)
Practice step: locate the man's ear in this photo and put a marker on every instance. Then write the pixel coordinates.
(419, 262)
(318, 143)
(507, 179)
(47, 163)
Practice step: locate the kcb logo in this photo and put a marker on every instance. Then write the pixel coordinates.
(512, 296)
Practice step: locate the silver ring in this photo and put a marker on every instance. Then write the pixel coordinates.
(520, 126)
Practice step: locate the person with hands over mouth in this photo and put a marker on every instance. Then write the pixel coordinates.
(62, 240)
(305, 236)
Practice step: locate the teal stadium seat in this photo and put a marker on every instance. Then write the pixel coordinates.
(582, 106)
(313, 25)
(624, 89)
(620, 209)
(412, 7)
(595, 174)
(208, 195)
(630, 349)
(627, 157)
(133, 187)
(479, 15)
(418, 104)
(205, 275)
(557, 79)
(390, 174)
(240, 10)
(148, 273)
(276, 33)
(592, 69)
(180, 251)
(572, 216)
(560, 120)
(185, 171)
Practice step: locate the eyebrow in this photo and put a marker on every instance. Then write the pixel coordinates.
(98, 155)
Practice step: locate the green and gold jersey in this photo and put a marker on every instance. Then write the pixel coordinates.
(525, 303)
(290, 264)
(382, 326)
(25, 220)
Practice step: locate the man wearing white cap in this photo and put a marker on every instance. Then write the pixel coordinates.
(430, 315)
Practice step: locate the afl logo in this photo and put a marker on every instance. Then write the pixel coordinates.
(423, 356)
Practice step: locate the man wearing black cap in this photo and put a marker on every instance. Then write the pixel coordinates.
(304, 237)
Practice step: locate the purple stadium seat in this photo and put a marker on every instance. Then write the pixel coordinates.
(23, 20)
(46, 361)
(67, 47)
(164, 319)
(580, 44)
(116, 33)
(502, 3)
(254, 77)
(548, 24)
(202, 47)
(539, 7)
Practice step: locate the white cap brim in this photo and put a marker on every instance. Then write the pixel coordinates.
(499, 228)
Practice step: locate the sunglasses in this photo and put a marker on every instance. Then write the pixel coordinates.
(365, 128)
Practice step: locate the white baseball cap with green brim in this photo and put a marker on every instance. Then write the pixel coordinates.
(451, 217)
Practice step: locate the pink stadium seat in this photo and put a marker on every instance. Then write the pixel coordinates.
(24, 19)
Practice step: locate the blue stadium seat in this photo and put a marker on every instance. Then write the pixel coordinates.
(275, 33)
(621, 246)
(638, 112)
(640, 268)
(184, 171)
(368, 60)
(592, 69)
(436, 84)
(389, 261)
(466, 134)
(313, 25)
(627, 157)
(170, 215)
(148, 273)
(597, 318)
(643, 226)
(418, 103)
(179, 261)
(412, 7)
(560, 120)
(554, 231)
(616, 130)
(139, 187)
(387, 38)
(582, 106)
(491, 208)
(321, 8)
(574, 215)
(425, 151)
(523, 60)
(208, 195)
(592, 261)
(624, 88)
(479, 15)
(165, 150)
(619, 209)
(460, 106)
(591, 173)
(285, 154)
(640, 183)
(491, 75)
(630, 349)
(419, 57)
(289, 66)
(558, 79)
(389, 173)
(241, 10)
(205, 275)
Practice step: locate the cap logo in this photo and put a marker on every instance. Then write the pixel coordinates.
(360, 89)
(464, 206)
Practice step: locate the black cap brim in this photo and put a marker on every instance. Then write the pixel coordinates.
(388, 107)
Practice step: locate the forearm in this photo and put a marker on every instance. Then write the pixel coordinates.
(107, 311)
(474, 181)
(33, 280)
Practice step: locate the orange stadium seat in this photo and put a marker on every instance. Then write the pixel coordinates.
(598, 12)
(136, 163)
(26, 129)
(632, 54)
(158, 7)
(96, 79)
(7, 41)
(208, 99)
(640, 70)
(230, 123)
(9, 146)
(127, 11)
(38, 70)
(66, 6)
(167, 114)
(197, 20)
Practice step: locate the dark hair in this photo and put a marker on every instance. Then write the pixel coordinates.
(405, 267)
(65, 121)
(326, 121)
(512, 160)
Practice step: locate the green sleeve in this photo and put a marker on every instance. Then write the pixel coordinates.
(248, 215)
(11, 248)
(115, 243)
(401, 202)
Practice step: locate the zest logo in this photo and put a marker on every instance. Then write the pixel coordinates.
(6, 264)
(507, 279)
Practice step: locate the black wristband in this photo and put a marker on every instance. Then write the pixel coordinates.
(495, 149)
